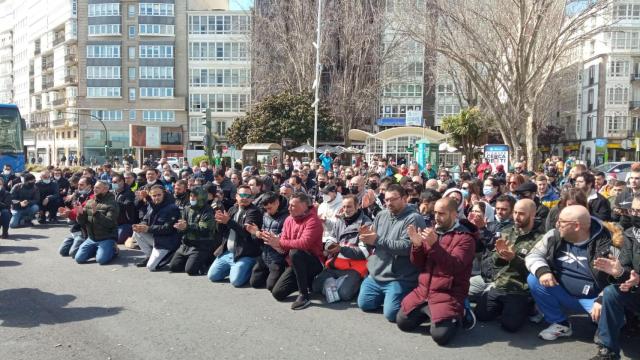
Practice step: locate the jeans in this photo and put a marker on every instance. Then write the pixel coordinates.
(388, 294)
(124, 232)
(23, 214)
(71, 244)
(297, 277)
(552, 300)
(5, 215)
(238, 271)
(611, 321)
(349, 287)
(103, 250)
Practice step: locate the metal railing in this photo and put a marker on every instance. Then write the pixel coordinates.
(58, 40)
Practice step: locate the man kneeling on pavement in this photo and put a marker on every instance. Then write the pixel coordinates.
(444, 255)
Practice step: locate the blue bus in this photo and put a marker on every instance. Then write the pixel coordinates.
(12, 150)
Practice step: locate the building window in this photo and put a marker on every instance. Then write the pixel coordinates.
(132, 94)
(132, 115)
(104, 30)
(103, 51)
(107, 115)
(219, 77)
(132, 73)
(131, 10)
(617, 95)
(220, 51)
(445, 90)
(155, 9)
(132, 31)
(444, 110)
(396, 111)
(196, 128)
(221, 128)
(103, 72)
(156, 92)
(156, 51)
(106, 92)
(218, 24)
(156, 29)
(624, 40)
(618, 68)
(616, 123)
(218, 102)
(132, 52)
(627, 12)
(158, 116)
(156, 72)
(105, 9)
(403, 90)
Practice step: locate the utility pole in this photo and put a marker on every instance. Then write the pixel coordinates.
(316, 83)
(208, 138)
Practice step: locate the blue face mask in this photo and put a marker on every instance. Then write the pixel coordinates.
(488, 191)
(193, 202)
(115, 186)
(465, 193)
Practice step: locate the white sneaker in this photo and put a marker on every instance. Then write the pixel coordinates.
(537, 318)
(555, 331)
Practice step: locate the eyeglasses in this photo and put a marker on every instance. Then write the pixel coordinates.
(391, 199)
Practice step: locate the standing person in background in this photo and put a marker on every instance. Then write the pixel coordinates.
(326, 160)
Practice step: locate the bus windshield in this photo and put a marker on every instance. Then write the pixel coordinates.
(10, 130)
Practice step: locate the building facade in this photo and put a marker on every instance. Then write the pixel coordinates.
(219, 68)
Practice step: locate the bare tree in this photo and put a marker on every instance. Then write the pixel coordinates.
(509, 50)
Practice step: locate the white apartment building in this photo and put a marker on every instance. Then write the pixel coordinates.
(6, 60)
(219, 67)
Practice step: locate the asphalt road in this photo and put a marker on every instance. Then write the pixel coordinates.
(53, 308)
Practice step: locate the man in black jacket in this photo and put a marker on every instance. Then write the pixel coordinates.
(5, 209)
(228, 189)
(49, 197)
(63, 184)
(236, 256)
(197, 228)
(24, 202)
(622, 202)
(598, 204)
(77, 234)
(155, 235)
(181, 193)
(9, 177)
(126, 204)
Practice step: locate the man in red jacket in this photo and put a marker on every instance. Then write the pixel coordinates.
(444, 255)
(301, 240)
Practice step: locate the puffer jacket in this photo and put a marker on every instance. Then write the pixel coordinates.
(353, 253)
(160, 218)
(21, 192)
(103, 224)
(445, 269)
(274, 224)
(201, 227)
(126, 203)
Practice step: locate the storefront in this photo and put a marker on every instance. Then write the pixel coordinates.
(94, 145)
(155, 142)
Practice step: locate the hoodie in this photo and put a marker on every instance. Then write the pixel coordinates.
(200, 223)
(461, 205)
(390, 260)
(328, 211)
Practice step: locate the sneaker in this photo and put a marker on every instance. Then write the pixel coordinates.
(302, 302)
(605, 354)
(469, 319)
(142, 263)
(555, 331)
(116, 250)
(537, 318)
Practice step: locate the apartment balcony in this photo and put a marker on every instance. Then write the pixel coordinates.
(634, 105)
(58, 122)
(47, 85)
(58, 41)
(59, 102)
(616, 134)
(70, 58)
(71, 79)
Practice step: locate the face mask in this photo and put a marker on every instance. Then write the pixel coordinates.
(322, 184)
(373, 185)
(203, 169)
(326, 198)
(151, 182)
(354, 189)
(29, 185)
(349, 177)
(167, 178)
(46, 181)
(115, 186)
(488, 191)
(7, 172)
(193, 202)
(83, 192)
(286, 168)
(465, 193)
(57, 177)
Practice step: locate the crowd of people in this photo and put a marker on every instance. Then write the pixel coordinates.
(494, 244)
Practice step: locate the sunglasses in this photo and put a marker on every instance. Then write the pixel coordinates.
(244, 196)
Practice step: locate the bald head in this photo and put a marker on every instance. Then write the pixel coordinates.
(432, 184)
(524, 213)
(574, 223)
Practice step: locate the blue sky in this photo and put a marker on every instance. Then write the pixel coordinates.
(240, 4)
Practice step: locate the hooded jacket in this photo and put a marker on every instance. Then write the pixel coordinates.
(50, 190)
(103, 223)
(274, 224)
(126, 203)
(328, 211)
(541, 258)
(353, 253)
(445, 269)
(599, 206)
(160, 218)
(5, 199)
(390, 260)
(182, 200)
(201, 226)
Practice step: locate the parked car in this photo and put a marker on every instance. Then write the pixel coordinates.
(619, 168)
(174, 162)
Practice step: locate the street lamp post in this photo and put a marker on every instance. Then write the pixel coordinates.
(316, 83)
(106, 132)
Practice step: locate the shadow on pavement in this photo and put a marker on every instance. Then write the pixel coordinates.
(17, 249)
(9, 263)
(26, 308)
(27, 237)
(127, 257)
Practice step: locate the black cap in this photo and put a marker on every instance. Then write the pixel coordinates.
(329, 188)
(527, 187)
